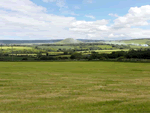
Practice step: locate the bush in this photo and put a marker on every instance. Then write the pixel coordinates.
(48, 58)
(66, 53)
(25, 59)
(121, 58)
(102, 58)
(76, 56)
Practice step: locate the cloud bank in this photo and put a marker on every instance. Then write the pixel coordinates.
(26, 20)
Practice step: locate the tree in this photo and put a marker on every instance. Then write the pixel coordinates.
(76, 56)
(65, 53)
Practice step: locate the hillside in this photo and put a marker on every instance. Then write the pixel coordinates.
(28, 41)
(137, 41)
(69, 41)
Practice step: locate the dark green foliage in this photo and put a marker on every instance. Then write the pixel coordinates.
(121, 58)
(120, 55)
(63, 58)
(117, 54)
(48, 58)
(25, 59)
(66, 53)
(46, 54)
(139, 54)
(76, 56)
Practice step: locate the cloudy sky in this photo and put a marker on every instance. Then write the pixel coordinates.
(79, 19)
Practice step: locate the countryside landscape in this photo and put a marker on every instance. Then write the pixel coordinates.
(73, 76)
(74, 56)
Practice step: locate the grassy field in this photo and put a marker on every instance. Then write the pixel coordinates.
(16, 47)
(104, 51)
(142, 41)
(73, 87)
(105, 46)
(56, 47)
(15, 58)
(138, 47)
(110, 51)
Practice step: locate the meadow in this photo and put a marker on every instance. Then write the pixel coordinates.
(73, 87)
(140, 41)
(17, 48)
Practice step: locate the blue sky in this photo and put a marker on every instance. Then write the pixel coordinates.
(79, 19)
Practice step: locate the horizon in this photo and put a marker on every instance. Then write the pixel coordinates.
(69, 38)
(80, 19)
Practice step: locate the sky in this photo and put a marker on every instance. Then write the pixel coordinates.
(78, 19)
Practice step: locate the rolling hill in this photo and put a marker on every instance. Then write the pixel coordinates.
(69, 41)
(137, 41)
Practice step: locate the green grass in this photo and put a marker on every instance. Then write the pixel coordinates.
(15, 58)
(68, 41)
(74, 87)
(55, 53)
(104, 51)
(138, 47)
(56, 47)
(140, 41)
(110, 51)
(105, 46)
(17, 48)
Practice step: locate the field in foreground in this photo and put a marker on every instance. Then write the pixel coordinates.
(73, 87)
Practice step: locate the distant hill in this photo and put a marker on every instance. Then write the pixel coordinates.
(28, 41)
(137, 41)
(69, 41)
(90, 40)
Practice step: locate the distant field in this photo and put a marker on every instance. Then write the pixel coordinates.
(132, 46)
(57, 47)
(16, 47)
(74, 87)
(55, 53)
(143, 41)
(110, 51)
(105, 51)
(105, 46)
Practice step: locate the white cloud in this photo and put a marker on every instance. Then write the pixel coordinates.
(114, 15)
(126, 26)
(25, 19)
(90, 16)
(76, 7)
(63, 7)
(136, 16)
(59, 3)
(90, 29)
(31, 20)
(68, 12)
(115, 36)
(89, 1)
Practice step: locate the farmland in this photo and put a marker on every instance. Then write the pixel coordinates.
(16, 48)
(139, 41)
(65, 49)
(74, 87)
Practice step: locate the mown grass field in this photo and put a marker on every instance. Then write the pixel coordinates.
(110, 51)
(103, 51)
(74, 87)
(17, 47)
(56, 47)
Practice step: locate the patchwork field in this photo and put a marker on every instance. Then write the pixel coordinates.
(140, 41)
(17, 48)
(73, 87)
